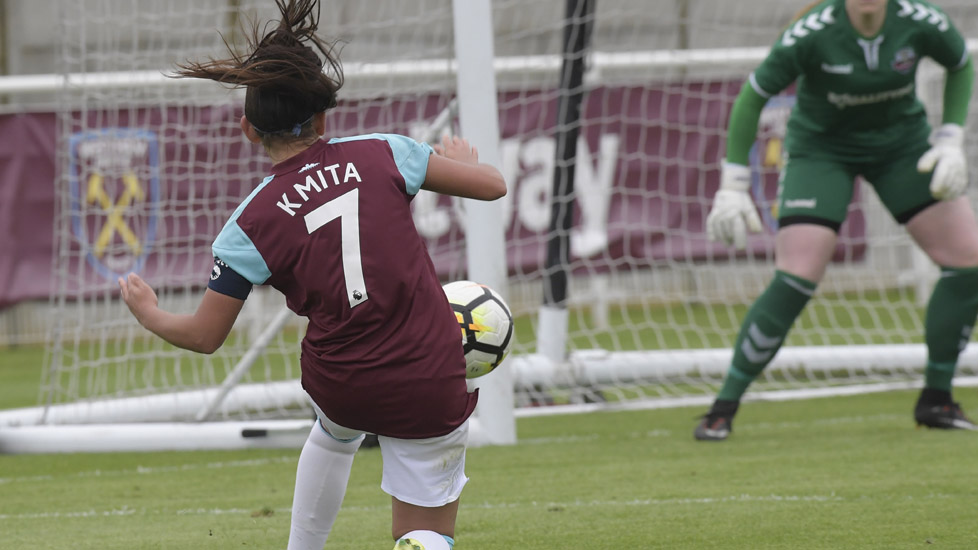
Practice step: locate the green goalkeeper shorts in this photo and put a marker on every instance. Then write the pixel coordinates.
(819, 190)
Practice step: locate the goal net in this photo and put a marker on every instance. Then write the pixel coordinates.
(653, 307)
(150, 169)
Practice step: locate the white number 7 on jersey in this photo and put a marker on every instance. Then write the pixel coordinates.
(346, 207)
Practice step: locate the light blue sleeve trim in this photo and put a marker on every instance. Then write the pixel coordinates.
(411, 157)
(234, 247)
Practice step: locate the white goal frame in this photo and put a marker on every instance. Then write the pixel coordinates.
(494, 423)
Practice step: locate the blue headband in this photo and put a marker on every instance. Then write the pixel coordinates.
(295, 131)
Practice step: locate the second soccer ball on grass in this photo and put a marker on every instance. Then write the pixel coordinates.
(486, 324)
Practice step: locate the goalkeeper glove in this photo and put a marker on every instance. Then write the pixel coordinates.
(946, 159)
(733, 211)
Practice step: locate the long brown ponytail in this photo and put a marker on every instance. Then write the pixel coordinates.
(287, 80)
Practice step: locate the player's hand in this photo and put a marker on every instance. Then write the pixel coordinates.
(138, 295)
(733, 212)
(457, 148)
(946, 159)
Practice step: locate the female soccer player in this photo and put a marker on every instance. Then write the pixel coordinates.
(856, 114)
(331, 228)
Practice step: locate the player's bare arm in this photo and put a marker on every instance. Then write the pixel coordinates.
(456, 170)
(204, 331)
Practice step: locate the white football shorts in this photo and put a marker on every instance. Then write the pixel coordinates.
(423, 472)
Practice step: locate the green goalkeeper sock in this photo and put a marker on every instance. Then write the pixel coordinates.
(951, 315)
(764, 330)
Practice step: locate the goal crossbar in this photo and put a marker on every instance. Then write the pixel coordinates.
(360, 72)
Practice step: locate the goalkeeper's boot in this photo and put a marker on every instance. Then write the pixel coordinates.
(936, 409)
(717, 424)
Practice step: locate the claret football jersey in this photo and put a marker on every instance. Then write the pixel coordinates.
(331, 228)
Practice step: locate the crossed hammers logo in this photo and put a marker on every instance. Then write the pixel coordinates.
(115, 222)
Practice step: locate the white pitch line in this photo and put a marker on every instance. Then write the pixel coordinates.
(4, 480)
(651, 502)
(556, 440)
(91, 513)
(151, 470)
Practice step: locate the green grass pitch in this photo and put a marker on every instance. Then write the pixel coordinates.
(847, 472)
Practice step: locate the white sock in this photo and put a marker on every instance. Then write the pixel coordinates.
(423, 540)
(320, 483)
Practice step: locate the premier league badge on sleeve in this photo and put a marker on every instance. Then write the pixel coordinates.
(115, 197)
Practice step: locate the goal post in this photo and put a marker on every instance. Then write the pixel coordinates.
(651, 308)
(486, 253)
(552, 333)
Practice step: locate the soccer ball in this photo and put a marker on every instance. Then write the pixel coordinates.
(421, 540)
(486, 324)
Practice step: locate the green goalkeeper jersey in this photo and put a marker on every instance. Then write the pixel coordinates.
(856, 95)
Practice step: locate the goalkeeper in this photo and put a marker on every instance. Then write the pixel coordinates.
(857, 114)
